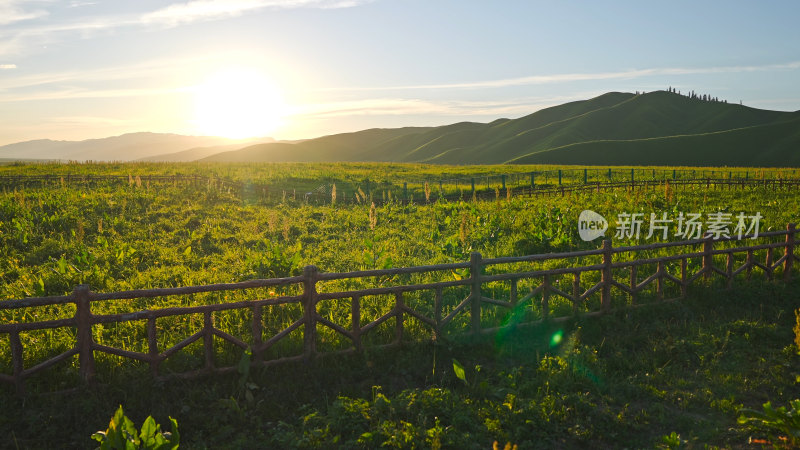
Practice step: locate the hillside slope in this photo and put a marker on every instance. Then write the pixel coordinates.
(337, 147)
(775, 144)
(615, 128)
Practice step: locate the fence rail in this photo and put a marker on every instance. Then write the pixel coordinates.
(612, 282)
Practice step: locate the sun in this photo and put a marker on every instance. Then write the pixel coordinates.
(238, 103)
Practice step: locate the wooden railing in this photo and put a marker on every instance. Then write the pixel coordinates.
(542, 189)
(268, 193)
(53, 180)
(590, 282)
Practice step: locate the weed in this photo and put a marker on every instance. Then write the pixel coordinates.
(121, 434)
(786, 423)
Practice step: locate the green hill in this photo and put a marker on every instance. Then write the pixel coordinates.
(764, 145)
(615, 128)
(337, 147)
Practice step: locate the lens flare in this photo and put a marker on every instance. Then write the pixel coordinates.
(556, 338)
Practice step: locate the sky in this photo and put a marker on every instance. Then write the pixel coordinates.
(293, 69)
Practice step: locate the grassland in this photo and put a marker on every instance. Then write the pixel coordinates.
(624, 380)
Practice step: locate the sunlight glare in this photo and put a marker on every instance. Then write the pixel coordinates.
(238, 103)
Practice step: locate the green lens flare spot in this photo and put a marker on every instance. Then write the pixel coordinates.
(556, 338)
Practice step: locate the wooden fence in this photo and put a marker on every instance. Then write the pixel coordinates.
(607, 277)
(53, 180)
(403, 193)
(417, 196)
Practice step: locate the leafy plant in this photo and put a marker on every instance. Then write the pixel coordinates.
(375, 258)
(122, 434)
(459, 371)
(672, 440)
(246, 386)
(780, 420)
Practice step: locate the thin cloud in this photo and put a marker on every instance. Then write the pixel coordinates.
(73, 94)
(20, 41)
(571, 77)
(12, 11)
(7, 66)
(204, 10)
(15, 41)
(88, 120)
(152, 68)
(405, 106)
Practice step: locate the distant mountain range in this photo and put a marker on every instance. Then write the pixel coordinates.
(127, 147)
(657, 128)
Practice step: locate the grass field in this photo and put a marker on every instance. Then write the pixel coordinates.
(624, 380)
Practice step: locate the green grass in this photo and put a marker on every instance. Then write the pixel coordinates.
(623, 380)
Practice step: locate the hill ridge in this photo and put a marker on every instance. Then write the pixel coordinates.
(612, 118)
(662, 125)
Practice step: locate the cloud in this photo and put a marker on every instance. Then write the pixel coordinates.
(405, 106)
(19, 40)
(570, 77)
(12, 11)
(88, 120)
(154, 69)
(78, 93)
(7, 66)
(204, 10)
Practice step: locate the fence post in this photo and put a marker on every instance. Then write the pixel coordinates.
(789, 253)
(310, 312)
(256, 328)
(83, 318)
(708, 261)
(503, 179)
(355, 312)
(152, 345)
(533, 181)
(475, 291)
(17, 361)
(399, 306)
(605, 277)
(208, 339)
(585, 176)
(559, 177)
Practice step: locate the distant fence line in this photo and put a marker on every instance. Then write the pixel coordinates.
(483, 187)
(543, 182)
(536, 183)
(594, 288)
(509, 192)
(63, 180)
